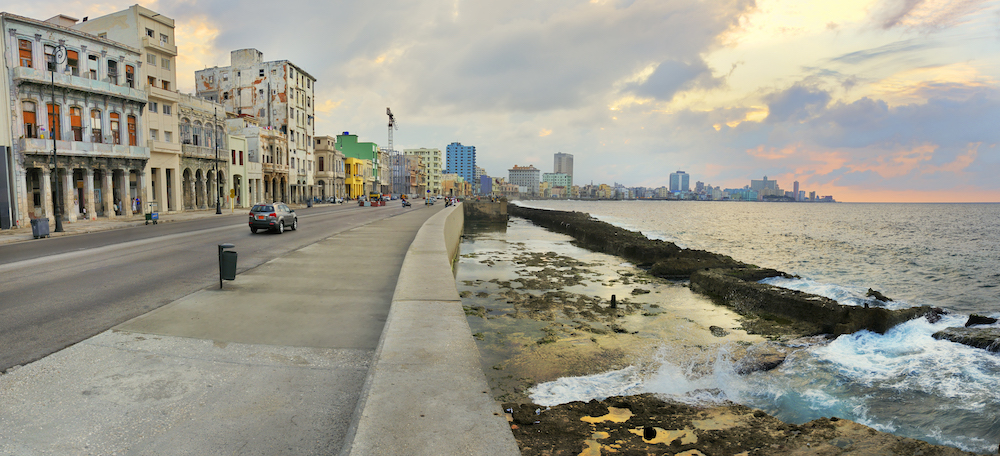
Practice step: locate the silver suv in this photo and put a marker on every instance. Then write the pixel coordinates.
(273, 216)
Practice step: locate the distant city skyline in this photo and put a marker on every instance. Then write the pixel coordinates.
(870, 100)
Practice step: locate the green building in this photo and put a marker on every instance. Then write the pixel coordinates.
(348, 145)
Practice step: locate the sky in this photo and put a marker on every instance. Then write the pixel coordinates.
(863, 100)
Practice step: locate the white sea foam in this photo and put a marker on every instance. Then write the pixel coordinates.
(848, 296)
(622, 382)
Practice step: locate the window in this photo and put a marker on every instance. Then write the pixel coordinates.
(115, 128)
(152, 106)
(95, 126)
(54, 126)
(225, 95)
(241, 158)
(113, 71)
(234, 156)
(165, 63)
(261, 73)
(92, 66)
(225, 76)
(130, 76)
(154, 134)
(260, 92)
(166, 109)
(132, 137)
(24, 50)
(76, 122)
(30, 121)
(73, 62)
(320, 164)
(151, 58)
(151, 80)
(168, 136)
(166, 85)
(164, 39)
(149, 33)
(103, 35)
(50, 57)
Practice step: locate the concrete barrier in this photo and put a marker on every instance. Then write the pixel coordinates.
(426, 393)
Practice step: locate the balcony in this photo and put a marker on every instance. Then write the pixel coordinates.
(157, 45)
(156, 93)
(67, 81)
(163, 147)
(203, 152)
(82, 149)
(275, 168)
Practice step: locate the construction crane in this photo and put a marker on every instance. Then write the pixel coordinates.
(395, 159)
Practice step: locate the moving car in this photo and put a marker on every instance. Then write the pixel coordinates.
(274, 217)
(429, 201)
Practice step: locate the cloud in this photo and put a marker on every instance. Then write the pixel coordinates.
(795, 103)
(673, 76)
(924, 14)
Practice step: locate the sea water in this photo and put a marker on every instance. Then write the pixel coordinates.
(904, 382)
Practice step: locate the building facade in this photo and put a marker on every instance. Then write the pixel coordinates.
(365, 151)
(73, 99)
(329, 173)
(680, 182)
(204, 166)
(281, 96)
(525, 177)
(153, 35)
(558, 179)
(431, 159)
(461, 160)
(562, 163)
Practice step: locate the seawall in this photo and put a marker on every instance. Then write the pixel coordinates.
(426, 393)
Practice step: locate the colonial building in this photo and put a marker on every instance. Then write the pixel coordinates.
(204, 150)
(329, 173)
(431, 159)
(153, 35)
(281, 96)
(73, 99)
(267, 158)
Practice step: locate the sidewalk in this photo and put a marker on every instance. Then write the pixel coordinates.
(274, 363)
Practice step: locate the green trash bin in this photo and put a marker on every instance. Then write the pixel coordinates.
(227, 263)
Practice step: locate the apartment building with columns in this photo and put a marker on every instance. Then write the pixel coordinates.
(204, 164)
(153, 35)
(73, 98)
(280, 95)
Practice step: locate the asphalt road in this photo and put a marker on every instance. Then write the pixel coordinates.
(56, 293)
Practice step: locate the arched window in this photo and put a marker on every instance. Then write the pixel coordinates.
(133, 139)
(95, 126)
(196, 133)
(76, 122)
(116, 131)
(24, 51)
(30, 120)
(185, 131)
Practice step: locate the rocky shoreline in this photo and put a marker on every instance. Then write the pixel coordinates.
(646, 424)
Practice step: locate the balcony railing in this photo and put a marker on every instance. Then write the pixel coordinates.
(82, 149)
(274, 168)
(68, 81)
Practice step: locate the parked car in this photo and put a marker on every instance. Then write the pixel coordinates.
(429, 201)
(274, 217)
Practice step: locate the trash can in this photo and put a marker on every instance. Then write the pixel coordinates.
(309, 202)
(227, 263)
(151, 214)
(40, 227)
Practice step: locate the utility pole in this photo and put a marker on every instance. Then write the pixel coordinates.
(215, 118)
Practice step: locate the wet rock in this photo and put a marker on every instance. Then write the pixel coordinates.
(985, 338)
(979, 320)
(645, 424)
(718, 331)
(740, 289)
(874, 294)
(935, 314)
(639, 291)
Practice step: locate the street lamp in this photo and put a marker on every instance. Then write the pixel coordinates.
(215, 118)
(58, 56)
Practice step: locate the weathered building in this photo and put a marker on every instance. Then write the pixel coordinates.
(204, 149)
(329, 173)
(153, 35)
(267, 160)
(281, 96)
(75, 114)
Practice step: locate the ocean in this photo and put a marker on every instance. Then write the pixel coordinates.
(903, 382)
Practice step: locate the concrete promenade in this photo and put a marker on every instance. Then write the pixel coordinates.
(339, 347)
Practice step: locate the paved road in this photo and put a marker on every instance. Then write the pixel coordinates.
(59, 291)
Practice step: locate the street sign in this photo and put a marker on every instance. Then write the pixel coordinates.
(232, 193)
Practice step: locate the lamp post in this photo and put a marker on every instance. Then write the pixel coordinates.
(215, 118)
(58, 56)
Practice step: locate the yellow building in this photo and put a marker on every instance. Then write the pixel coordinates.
(357, 176)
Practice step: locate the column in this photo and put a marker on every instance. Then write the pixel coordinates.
(68, 190)
(47, 196)
(88, 193)
(194, 192)
(140, 189)
(107, 182)
(126, 196)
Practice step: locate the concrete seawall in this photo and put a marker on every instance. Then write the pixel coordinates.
(426, 393)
